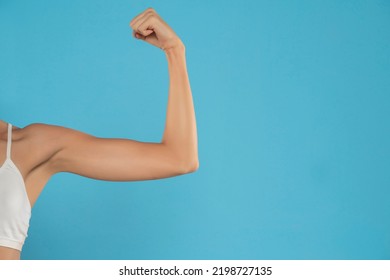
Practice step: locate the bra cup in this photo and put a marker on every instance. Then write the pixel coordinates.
(15, 210)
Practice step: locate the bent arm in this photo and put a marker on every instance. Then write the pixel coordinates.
(129, 160)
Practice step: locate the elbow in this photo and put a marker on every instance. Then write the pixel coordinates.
(193, 165)
(188, 166)
(182, 161)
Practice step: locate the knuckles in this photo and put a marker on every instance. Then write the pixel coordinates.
(151, 16)
(150, 9)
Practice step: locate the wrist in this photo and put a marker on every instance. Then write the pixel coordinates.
(177, 47)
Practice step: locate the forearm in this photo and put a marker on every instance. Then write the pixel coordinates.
(180, 134)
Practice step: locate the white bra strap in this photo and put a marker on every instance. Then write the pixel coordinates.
(9, 141)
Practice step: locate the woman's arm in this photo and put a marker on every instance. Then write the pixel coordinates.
(128, 160)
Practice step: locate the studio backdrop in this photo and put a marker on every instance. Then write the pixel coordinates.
(292, 105)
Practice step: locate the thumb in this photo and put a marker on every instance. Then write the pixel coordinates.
(143, 35)
(151, 38)
(146, 32)
(144, 29)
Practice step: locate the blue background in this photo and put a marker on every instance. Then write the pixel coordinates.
(292, 102)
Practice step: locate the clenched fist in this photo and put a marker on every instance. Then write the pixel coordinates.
(150, 27)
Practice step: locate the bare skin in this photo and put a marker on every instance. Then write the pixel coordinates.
(42, 150)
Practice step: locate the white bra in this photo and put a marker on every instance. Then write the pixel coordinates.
(15, 208)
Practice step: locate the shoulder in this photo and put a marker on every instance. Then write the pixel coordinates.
(50, 139)
(49, 132)
(49, 143)
(43, 140)
(36, 129)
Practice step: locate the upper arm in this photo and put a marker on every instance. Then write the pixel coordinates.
(112, 159)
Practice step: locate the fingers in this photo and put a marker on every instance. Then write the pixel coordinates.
(146, 26)
(141, 23)
(151, 28)
(137, 35)
(136, 23)
(139, 16)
